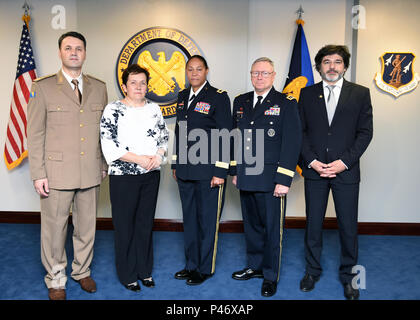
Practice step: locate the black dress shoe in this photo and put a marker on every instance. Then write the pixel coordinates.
(268, 288)
(350, 293)
(184, 274)
(149, 282)
(247, 274)
(197, 278)
(133, 287)
(308, 282)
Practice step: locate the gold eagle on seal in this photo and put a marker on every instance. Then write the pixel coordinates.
(162, 72)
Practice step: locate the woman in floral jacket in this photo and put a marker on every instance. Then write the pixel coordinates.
(134, 140)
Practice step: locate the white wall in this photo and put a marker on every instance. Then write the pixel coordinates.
(231, 34)
(391, 181)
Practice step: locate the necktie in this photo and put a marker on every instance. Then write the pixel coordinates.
(258, 102)
(257, 105)
(191, 99)
(76, 89)
(331, 104)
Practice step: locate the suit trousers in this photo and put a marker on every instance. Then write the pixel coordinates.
(346, 206)
(55, 211)
(133, 201)
(201, 207)
(263, 217)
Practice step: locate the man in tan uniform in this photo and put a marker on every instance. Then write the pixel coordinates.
(66, 162)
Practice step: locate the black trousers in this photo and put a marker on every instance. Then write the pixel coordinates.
(133, 201)
(346, 198)
(263, 216)
(201, 208)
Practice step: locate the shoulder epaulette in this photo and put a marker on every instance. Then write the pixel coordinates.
(220, 91)
(88, 75)
(44, 77)
(243, 94)
(290, 97)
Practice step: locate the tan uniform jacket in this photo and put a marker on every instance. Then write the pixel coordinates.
(63, 135)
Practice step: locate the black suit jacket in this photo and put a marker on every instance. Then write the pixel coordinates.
(277, 118)
(208, 111)
(348, 136)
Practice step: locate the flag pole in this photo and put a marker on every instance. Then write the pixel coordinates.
(300, 13)
(15, 147)
(26, 15)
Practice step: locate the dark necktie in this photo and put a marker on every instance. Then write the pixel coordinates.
(76, 89)
(257, 105)
(259, 98)
(191, 99)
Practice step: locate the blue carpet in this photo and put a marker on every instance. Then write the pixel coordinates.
(392, 265)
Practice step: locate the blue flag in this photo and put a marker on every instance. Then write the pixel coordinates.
(300, 71)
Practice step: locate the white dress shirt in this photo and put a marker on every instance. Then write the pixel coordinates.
(263, 97)
(195, 93)
(70, 78)
(337, 90)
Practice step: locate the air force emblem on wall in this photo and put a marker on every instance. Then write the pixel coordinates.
(397, 76)
(164, 53)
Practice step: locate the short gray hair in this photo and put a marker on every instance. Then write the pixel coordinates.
(263, 59)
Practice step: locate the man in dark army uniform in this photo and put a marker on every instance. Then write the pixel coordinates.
(200, 168)
(267, 120)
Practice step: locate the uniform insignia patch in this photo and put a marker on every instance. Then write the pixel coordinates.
(397, 75)
(271, 132)
(202, 107)
(273, 111)
(32, 94)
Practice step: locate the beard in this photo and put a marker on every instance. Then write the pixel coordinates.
(331, 77)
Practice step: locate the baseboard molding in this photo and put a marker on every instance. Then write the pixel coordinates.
(368, 228)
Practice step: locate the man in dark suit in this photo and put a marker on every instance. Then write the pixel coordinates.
(271, 134)
(199, 169)
(337, 128)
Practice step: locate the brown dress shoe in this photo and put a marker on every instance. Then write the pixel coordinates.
(56, 294)
(88, 284)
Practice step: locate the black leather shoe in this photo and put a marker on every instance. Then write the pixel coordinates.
(133, 287)
(184, 274)
(308, 282)
(149, 282)
(268, 288)
(350, 293)
(197, 278)
(247, 274)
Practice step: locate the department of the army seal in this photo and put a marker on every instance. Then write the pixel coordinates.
(163, 52)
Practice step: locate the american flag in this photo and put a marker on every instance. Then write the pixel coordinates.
(15, 149)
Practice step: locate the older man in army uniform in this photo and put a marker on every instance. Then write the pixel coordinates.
(66, 163)
(268, 118)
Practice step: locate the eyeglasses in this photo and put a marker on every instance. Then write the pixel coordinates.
(265, 74)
